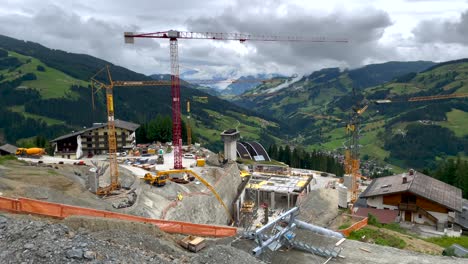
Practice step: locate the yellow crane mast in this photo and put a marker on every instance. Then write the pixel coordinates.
(352, 163)
(112, 142)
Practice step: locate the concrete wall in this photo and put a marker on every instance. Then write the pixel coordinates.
(230, 150)
(441, 217)
(377, 202)
(420, 220)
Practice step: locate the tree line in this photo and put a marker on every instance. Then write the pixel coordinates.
(159, 129)
(453, 172)
(299, 158)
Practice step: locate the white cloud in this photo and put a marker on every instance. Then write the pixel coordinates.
(380, 30)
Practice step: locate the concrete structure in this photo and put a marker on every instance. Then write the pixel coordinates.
(418, 198)
(230, 138)
(342, 196)
(8, 149)
(278, 191)
(93, 140)
(252, 150)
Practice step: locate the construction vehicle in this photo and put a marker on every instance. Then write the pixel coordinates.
(30, 152)
(173, 36)
(160, 159)
(151, 179)
(158, 179)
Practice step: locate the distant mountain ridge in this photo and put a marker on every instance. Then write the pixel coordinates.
(47, 92)
(245, 83)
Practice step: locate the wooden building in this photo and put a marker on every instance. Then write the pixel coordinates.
(418, 198)
(7, 149)
(93, 140)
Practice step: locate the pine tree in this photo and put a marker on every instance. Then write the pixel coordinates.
(287, 155)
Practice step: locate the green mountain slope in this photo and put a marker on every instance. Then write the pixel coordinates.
(46, 92)
(318, 106)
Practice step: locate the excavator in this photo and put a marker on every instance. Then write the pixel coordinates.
(161, 178)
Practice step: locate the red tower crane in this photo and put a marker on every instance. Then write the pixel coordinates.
(173, 36)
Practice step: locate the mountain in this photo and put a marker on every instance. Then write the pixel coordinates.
(245, 83)
(47, 92)
(418, 134)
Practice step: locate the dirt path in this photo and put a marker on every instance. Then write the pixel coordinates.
(412, 243)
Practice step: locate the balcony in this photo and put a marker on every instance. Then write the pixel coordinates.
(408, 207)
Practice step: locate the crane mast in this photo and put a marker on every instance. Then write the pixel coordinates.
(111, 137)
(173, 36)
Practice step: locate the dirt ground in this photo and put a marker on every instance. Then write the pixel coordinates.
(412, 243)
(66, 183)
(59, 183)
(319, 207)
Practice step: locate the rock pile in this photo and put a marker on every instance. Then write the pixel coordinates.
(26, 239)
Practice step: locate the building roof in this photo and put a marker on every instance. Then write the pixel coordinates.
(419, 184)
(384, 216)
(251, 150)
(461, 218)
(118, 123)
(9, 148)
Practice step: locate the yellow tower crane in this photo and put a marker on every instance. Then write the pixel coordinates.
(111, 138)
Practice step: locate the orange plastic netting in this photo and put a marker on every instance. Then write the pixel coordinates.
(30, 206)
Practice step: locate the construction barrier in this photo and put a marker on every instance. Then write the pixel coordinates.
(356, 226)
(30, 206)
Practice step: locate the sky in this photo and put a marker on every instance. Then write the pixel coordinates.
(377, 31)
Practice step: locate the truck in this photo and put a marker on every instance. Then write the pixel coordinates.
(158, 179)
(30, 152)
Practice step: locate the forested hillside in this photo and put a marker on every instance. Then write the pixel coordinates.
(417, 134)
(46, 92)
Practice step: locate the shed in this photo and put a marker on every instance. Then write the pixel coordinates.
(8, 149)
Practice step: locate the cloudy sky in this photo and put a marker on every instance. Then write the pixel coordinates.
(378, 31)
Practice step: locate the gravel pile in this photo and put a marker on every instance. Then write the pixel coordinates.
(221, 254)
(26, 239)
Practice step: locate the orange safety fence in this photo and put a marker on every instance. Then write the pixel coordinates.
(30, 206)
(356, 226)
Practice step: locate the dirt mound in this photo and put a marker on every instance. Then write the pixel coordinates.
(319, 207)
(96, 240)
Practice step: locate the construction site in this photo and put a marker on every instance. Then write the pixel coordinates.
(166, 202)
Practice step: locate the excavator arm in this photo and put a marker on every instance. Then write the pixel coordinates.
(202, 180)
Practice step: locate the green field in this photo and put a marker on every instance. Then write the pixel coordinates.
(457, 121)
(48, 120)
(51, 83)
